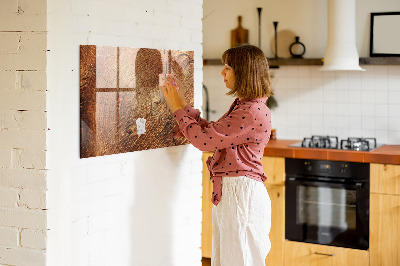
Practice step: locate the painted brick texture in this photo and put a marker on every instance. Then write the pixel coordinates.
(23, 218)
(140, 208)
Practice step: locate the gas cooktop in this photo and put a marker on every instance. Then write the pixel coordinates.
(332, 142)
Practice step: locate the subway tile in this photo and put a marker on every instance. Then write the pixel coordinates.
(381, 110)
(367, 83)
(355, 132)
(342, 133)
(304, 109)
(342, 122)
(291, 71)
(355, 122)
(304, 72)
(305, 95)
(367, 133)
(328, 74)
(329, 109)
(329, 122)
(355, 109)
(367, 110)
(394, 71)
(342, 96)
(354, 82)
(381, 97)
(355, 96)
(394, 110)
(317, 120)
(316, 72)
(380, 71)
(369, 70)
(342, 109)
(380, 84)
(367, 96)
(329, 83)
(292, 82)
(394, 123)
(394, 97)
(317, 107)
(317, 131)
(382, 123)
(368, 123)
(280, 72)
(317, 95)
(303, 82)
(278, 83)
(382, 136)
(329, 94)
(316, 83)
(342, 83)
(394, 137)
(394, 83)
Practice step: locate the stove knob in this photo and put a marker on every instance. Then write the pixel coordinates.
(343, 168)
(308, 166)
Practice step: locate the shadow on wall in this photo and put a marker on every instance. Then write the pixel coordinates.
(156, 177)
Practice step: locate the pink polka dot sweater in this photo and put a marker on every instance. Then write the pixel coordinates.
(238, 139)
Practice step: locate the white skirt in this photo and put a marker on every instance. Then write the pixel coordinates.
(241, 223)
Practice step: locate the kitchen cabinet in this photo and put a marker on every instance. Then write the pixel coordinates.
(206, 225)
(385, 214)
(385, 178)
(305, 254)
(274, 168)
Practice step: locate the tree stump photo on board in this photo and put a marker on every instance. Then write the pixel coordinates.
(239, 35)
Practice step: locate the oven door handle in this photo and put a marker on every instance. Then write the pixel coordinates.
(352, 185)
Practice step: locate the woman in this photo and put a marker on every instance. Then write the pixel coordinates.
(242, 211)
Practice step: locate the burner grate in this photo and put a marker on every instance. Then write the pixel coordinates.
(327, 142)
(358, 144)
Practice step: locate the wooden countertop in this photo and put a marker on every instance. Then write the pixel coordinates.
(389, 154)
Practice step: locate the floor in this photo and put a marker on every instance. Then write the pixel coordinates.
(206, 261)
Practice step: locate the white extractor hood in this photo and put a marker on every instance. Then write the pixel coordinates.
(341, 51)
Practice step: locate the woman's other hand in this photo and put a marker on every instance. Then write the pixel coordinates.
(174, 94)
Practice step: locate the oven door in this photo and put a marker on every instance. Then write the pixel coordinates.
(327, 213)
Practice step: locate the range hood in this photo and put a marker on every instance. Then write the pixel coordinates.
(341, 51)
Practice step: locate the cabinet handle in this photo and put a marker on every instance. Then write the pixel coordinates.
(324, 254)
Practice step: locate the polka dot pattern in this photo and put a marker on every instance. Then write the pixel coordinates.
(238, 139)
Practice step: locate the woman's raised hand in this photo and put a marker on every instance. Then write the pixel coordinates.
(174, 93)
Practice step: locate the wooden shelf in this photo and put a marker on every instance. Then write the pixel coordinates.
(274, 63)
(380, 61)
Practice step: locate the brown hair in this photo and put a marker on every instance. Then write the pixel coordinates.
(250, 66)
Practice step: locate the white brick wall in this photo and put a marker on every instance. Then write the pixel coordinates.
(99, 208)
(22, 132)
(140, 208)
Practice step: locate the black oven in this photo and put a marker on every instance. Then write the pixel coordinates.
(327, 202)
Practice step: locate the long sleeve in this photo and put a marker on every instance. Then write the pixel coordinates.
(231, 130)
(193, 113)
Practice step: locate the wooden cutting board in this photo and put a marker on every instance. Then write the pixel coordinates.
(239, 35)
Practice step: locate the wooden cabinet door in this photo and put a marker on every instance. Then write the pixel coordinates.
(384, 236)
(385, 178)
(274, 168)
(206, 226)
(304, 254)
(277, 233)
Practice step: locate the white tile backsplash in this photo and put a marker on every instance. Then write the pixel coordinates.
(342, 103)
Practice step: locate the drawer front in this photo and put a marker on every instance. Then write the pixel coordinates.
(297, 253)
